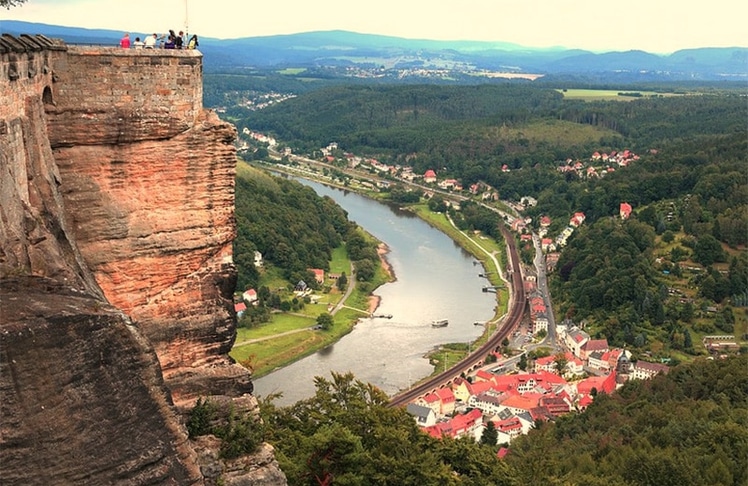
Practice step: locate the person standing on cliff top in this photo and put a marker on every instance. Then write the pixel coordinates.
(150, 41)
(179, 40)
(124, 43)
(138, 44)
(192, 44)
(171, 40)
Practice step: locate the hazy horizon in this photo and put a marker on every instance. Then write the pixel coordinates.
(657, 27)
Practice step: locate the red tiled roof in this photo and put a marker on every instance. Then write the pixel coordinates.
(595, 345)
(545, 360)
(549, 377)
(512, 423)
(585, 401)
(483, 375)
(555, 405)
(431, 398)
(479, 387)
(503, 383)
(523, 402)
(445, 395)
(603, 384)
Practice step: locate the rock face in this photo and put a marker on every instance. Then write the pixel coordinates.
(116, 220)
(83, 401)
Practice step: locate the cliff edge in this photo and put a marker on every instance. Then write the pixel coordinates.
(116, 278)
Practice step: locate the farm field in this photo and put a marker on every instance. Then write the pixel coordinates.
(607, 94)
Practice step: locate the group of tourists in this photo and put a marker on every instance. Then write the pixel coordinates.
(166, 41)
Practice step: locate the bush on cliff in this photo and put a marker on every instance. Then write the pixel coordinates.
(240, 433)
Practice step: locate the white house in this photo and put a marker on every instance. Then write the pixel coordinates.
(643, 370)
(574, 339)
(249, 296)
(487, 402)
(541, 323)
(596, 360)
(424, 416)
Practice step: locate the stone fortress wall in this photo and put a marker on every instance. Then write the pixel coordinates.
(118, 187)
(113, 95)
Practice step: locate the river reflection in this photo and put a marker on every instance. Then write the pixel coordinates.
(436, 279)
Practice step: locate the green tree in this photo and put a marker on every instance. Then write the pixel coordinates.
(708, 250)
(560, 362)
(437, 204)
(523, 362)
(687, 312)
(342, 282)
(239, 433)
(365, 270)
(325, 321)
(200, 418)
(687, 340)
(490, 435)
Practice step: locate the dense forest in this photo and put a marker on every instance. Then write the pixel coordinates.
(468, 130)
(287, 222)
(689, 427)
(293, 228)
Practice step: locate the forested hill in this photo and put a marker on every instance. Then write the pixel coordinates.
(470, 132)
(287, 222)
(443, 127)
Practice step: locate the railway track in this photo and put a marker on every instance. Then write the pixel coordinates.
(476, 358)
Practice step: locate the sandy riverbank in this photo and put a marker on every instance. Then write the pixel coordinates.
(382, 250)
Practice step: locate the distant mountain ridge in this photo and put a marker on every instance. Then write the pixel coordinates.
(343, 48)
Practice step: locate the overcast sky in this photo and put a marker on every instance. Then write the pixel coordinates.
(659, 26)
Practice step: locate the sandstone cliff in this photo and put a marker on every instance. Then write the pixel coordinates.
(116, 224)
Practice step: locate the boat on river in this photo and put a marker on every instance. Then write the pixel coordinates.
(440, 323)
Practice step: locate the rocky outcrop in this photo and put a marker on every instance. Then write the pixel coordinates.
(116, 225)
(258, 469)
(154, 221)
(83, 400)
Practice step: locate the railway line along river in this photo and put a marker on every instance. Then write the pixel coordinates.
(436, 279)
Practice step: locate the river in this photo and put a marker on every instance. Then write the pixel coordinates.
(436, 279)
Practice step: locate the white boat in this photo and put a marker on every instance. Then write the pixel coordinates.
(440, 323)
